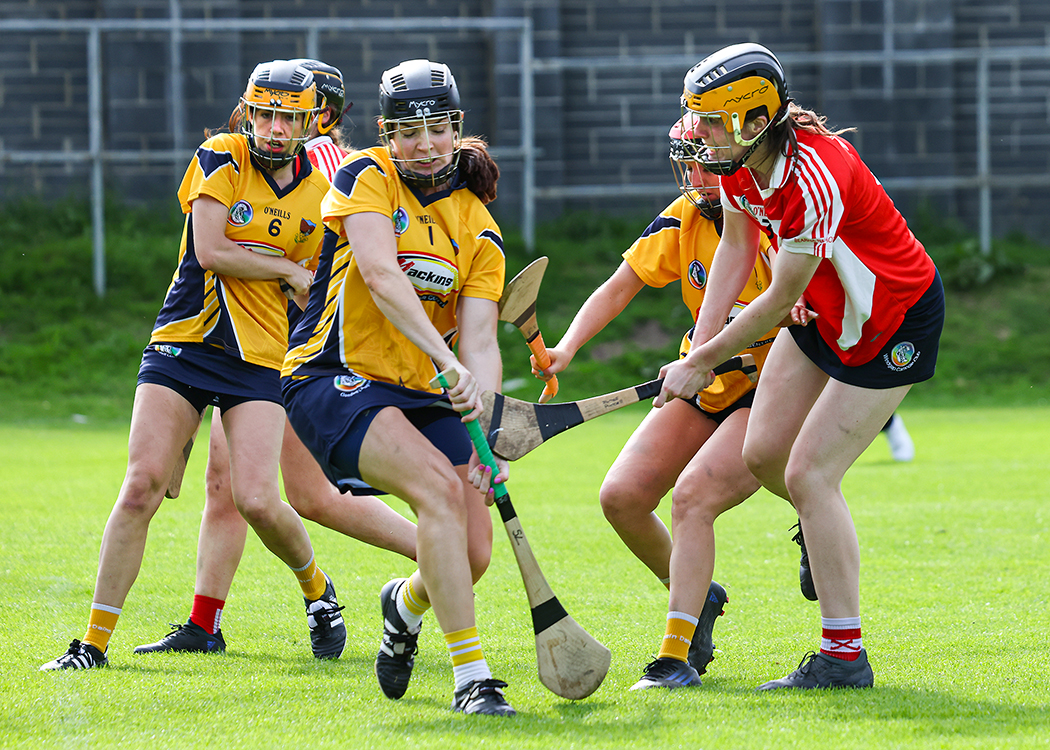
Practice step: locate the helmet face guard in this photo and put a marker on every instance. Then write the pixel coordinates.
(723, 89)
(419, 99)
(689, 171)
(275, 90)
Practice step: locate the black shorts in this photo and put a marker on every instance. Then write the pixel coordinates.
(744, 402)
(331, 415)
(204, 374)
(909, 356)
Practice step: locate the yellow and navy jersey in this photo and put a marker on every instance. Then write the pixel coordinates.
(447, 245)
(247, 318)
(679, 245)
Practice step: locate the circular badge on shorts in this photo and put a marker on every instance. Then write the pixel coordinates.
(903, 354)
(400, 219)
(697, 274)
(350, 383)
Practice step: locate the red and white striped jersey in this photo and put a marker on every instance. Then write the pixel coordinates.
(824, 201)
(325, 154)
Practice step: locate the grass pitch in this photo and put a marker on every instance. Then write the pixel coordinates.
(954, 592)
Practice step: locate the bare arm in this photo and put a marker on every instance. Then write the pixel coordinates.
(218, 253)
(478, 348)
(791, 276)
(375, 250)
(733, 263)
(604, 304)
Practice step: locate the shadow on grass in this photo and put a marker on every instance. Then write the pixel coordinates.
(892, 714)
(287, 663)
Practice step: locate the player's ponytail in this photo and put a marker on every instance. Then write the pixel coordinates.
(478, 169)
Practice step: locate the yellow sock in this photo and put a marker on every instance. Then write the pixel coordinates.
(679, 634)
(413, 602)
(464, 646)
(101, 622)
(468, 662)
(311, 580)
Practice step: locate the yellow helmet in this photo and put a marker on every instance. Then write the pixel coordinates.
(279, 86)
(729, 85)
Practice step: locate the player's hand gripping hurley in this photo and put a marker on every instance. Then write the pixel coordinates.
(571, 662)
(517, 305)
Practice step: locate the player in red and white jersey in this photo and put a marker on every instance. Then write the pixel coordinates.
(821, 200)
(845, 257)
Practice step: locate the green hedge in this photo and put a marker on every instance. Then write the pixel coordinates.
(63, 350)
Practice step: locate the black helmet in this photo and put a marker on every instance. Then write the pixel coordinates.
(730, 84)
(420, 93)
(279, 86)
(329, 82)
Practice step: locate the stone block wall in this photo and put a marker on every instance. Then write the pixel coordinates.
(596, 125)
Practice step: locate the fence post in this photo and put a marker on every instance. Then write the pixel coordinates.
(98, 200)
(983, 153)
(528, 138)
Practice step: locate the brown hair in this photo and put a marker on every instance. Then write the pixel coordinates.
(233, 125)
(478, 169)
(783, 135)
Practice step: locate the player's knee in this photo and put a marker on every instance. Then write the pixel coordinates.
(763, 463)
(479, 554)
(805, 479)
(140, 496)
(614, 501)
(305, 504)
(258, 509)
(692, 503)
(443, 497)
(141, 492)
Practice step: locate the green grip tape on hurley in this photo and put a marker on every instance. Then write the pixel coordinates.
(480, 445)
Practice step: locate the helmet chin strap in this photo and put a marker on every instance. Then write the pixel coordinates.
(780, 117)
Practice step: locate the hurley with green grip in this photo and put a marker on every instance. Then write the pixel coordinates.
(571, 662)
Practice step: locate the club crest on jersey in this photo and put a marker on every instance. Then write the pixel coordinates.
(433, 277)
(240, 214)
(901, 357)
(697, 274)
(759, 212)
(400, 219)
(306, 228)
(348, 385)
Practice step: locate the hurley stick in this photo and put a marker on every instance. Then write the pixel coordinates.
(516, 427)
(175, 483)
(571, 662)
(518, 306)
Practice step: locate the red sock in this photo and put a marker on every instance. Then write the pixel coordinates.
(841, 638)
(207, 612)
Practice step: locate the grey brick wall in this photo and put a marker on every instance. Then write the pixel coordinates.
(595, 125)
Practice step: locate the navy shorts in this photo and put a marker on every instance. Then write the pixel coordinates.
(331, 415)
(204, 374)
(909, 356)
(744, 402)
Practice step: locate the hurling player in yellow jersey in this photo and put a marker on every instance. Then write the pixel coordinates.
(412, 265)
(252, 224)
(222, 531)
(692, 447)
